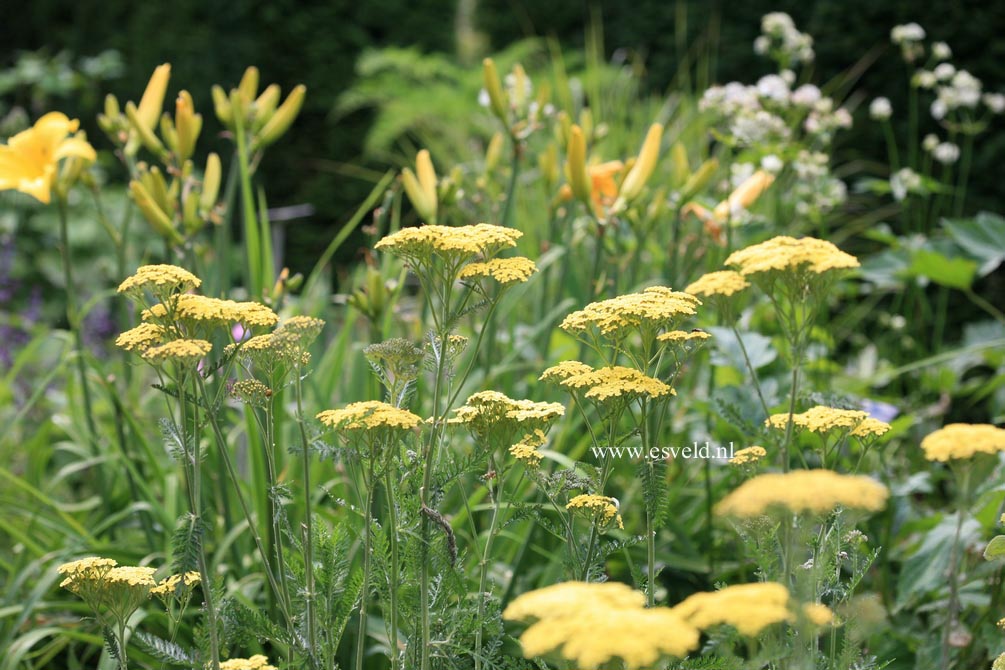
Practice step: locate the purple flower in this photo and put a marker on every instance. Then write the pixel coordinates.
(879, 410)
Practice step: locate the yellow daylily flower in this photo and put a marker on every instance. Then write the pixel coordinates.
(29, 161)
(745, 195)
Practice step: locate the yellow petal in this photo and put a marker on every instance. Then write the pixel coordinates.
(76, 147)
(152, 102)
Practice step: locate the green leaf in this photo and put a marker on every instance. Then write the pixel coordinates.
(952, 272)
(728, 352)
(982, 237)
(995, 549)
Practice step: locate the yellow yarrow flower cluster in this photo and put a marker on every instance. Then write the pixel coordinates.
(956, 441)
(106, 586)
(368, 415)
(487, 411)
(720, 283)
(503, 270)
(602, 508)
(256, 662)
(140, 338)
(684, 336)
(480, 239)
(804, 491)
(591, 624)
(655, 307)
(199, 308)
(526, 451)
(821, 419)
(175, 585)
(783, 253)
(160, 279)
(603, 384)
(182, 351)
(748, 456)
(749, 608)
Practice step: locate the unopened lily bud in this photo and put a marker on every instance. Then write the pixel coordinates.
(423, 204)
(681, 167)
(152, 102)
(248, 88)
(154, 215)
(282, 119)
(497, 98)
(745, 195)
(143, 132)
(112, 109)
(188, 125)
(563, 129)
(520, 87)
(586, 123)
(493, 152)
(168, 133)
(426, 173)
(156, 187)
(265, 106)
(575, 164)
(221, 105)
(699, 180)
(644, 165)
(210, 183)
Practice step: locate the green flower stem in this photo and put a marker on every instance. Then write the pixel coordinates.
(483, 565)
(73, 318)
(255, 267)
(508, 208)
(308, 521)
(966, 160)
(392, 520)
(963, 502)
(751, 370)
(369, 481)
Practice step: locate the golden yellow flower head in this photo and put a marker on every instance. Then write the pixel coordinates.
(256, 662)
(963, 440)
(590, 624)
(748, 456)
(182, 351)
(804, 491)
(526, 451)
(140, 338)
(617, 382)
(790, 254)
(30, 159)
(818, 614)
(367, 415)
(559, 373)
(721, 283)
(684, 336)
(487, 409)
(821, 419)
(92, 568)
(131, 576)
(749, 608)
(503, 270)
(203, 309)
(176, 585)
(424, 241)
(655, 307)
(602, 508)
(161, 279)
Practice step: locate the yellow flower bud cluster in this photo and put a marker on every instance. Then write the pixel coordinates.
(260, 116)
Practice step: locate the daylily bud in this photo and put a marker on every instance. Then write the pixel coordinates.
(497, 98)
(282, 119)
(586, 123)
(519, 86)
(210, 183)
(190, 213)
(168, 133)
(265, 106)
(248, 88)
(426, 173)
(188, 125)
(221, 105)
(644, 166)
(157, 188)
(112, 109)
(575, 164)
(697, 181)
(681, 168)
(154, 215)
(143, 132)
(745, 195)
(152, 102)
(424, 205)
(493, 152)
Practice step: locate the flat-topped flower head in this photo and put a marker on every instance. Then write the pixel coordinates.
(481, 239)
(92, 568)
(305, 328)
(141, 338)
(186, 351)
(748, 456)
(526, 451)
(804, 492)
(721, 283)
(821, 419)
(251, 392)
(657, 307)
(559, 373)
(684, 336)
(488, 412)
(161, 280)
(616, 382)
(749, 608)
(200, 309)
(591, 624)
(367, 415)
(503, 270)
(256, 662)
(958, 441)
(108, 587)
(176, 586)
(602, 508)
(788, 254)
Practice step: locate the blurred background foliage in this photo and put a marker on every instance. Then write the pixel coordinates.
(331, 164)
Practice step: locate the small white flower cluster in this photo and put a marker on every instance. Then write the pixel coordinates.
(909, 37)
(816, 191)
(782, 41)
(962, 90)
(904, 181)
(880, 109)
(946, 153)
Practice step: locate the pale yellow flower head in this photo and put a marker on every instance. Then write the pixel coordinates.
(821, 419)
(211, 311)
(602, 508)
(488, 411)
(684, 336)
(182, 351)
(616, 382)
(30, 160)
(256, 662)
(564, 370)
(160, 279)
(656, 307)
(957, 441)
(720, 283)
(140, 338)
(176, 585)
(781, 254)
(748, 456)
(369, 414)
(526, 451)
(749, 608)
(804, 491)
(481, 239)
(503, 270)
